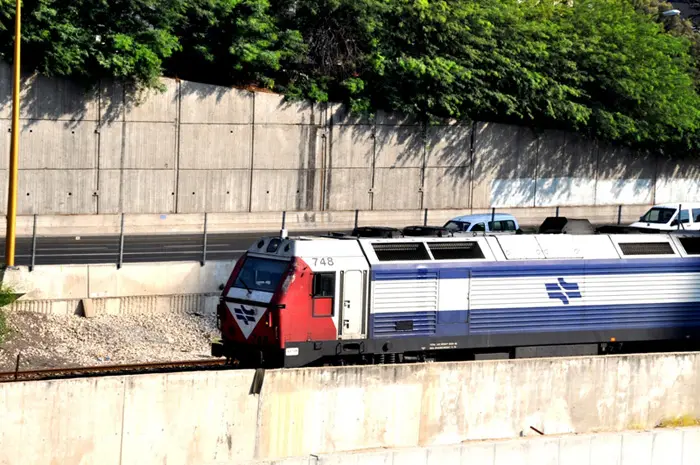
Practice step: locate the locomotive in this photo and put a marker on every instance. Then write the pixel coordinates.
(305, 301)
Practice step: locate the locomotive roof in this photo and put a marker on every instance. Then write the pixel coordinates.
(486, 247)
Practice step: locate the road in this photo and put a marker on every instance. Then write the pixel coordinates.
(142, 248)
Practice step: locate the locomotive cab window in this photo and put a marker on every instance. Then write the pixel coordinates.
(324, 285)
(323, 294)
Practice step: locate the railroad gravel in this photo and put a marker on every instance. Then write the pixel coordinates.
(57, 341)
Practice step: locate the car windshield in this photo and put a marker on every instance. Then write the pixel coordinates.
(658, 215)
(261, 274)
(456, 225)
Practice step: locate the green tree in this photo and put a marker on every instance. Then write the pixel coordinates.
(94, 39)
(233, 41)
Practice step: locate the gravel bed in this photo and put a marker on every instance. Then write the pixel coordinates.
(55, 341)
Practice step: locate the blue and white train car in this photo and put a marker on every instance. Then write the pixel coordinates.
(406, 299)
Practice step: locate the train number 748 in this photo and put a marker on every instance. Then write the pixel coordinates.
(323, 261)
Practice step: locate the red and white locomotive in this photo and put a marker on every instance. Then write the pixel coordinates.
(293, 302)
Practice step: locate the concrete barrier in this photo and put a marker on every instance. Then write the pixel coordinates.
(679, 446)
(217, 416)
(136, 287)
(135, 224)
(349, 408)
(182, 418)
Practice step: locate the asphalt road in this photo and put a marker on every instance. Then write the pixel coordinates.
(105, 249)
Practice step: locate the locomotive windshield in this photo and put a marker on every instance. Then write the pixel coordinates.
(261, 274)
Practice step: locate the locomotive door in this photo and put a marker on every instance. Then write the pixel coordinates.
(352, 303)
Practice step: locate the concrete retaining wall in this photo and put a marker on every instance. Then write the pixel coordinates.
(199, 148)
(217, 417)
(660, 447)
(134, 288)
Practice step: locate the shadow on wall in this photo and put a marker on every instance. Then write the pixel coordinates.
(336, 161)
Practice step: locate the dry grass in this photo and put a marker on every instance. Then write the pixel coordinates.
(679, 422)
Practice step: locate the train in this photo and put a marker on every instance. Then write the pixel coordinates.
(344, 300)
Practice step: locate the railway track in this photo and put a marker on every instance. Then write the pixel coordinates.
(113, 370)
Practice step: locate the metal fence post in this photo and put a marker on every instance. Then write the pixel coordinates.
(357, 217)
(557, 212)
(204, 245)
(493, 215)
(425, 217)
(284, 219)
(121, 244)
(619, 214)
(31, 265)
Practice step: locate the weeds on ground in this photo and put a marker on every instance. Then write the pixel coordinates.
(7, 296)
(679, 422)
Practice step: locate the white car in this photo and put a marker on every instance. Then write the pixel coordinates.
(664, 217)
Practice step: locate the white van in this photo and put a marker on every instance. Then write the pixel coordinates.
(665, 217)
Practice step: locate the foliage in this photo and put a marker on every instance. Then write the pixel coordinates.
(617, 70)
(225, 41)
(7, 296)
(679, 422)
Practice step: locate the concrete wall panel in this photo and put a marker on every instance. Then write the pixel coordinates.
(189, 419)
(677, 180)
(505, 157)
(448, 146)
(348, 189)
(48, 144)
(428, 405)
(566, 170)
(273, 109)
(66, 192)
(624, 177)
(287, 147)
(397, 188)
(564, 191)
(277, 190)
(109, 194)
(138, 145)
(39, 421)
(148, 191)
(154, 105)
(213, 191)
(47, 98)
(207, 104)
(399, 146)
(215, 146)
(351, 147)
(447, 188)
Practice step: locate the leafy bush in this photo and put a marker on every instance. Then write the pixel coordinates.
(616, 70)
(7, 296)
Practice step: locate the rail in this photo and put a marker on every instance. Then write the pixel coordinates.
(121, 246)
(114, 370)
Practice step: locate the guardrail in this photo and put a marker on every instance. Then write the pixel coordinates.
(208, 235)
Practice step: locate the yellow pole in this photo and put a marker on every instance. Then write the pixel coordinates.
(14, 148)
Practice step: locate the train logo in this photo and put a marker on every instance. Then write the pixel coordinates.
(244, 315)
(563, 291)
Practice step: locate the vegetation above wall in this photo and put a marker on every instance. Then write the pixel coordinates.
(617, 70)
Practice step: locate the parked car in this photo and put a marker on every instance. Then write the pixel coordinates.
(664, 217)
(486, 222)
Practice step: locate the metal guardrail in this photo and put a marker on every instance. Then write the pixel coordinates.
(206, 247)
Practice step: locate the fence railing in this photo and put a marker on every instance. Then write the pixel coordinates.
(199, 243)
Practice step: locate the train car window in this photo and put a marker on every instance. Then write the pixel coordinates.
(400, 251)
(691, 245)
(696, 215)
(479, 227)
(324, 285)
(455, 250)
(646, 248)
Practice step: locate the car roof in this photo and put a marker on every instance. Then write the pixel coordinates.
(675, 205)
(478, 217)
